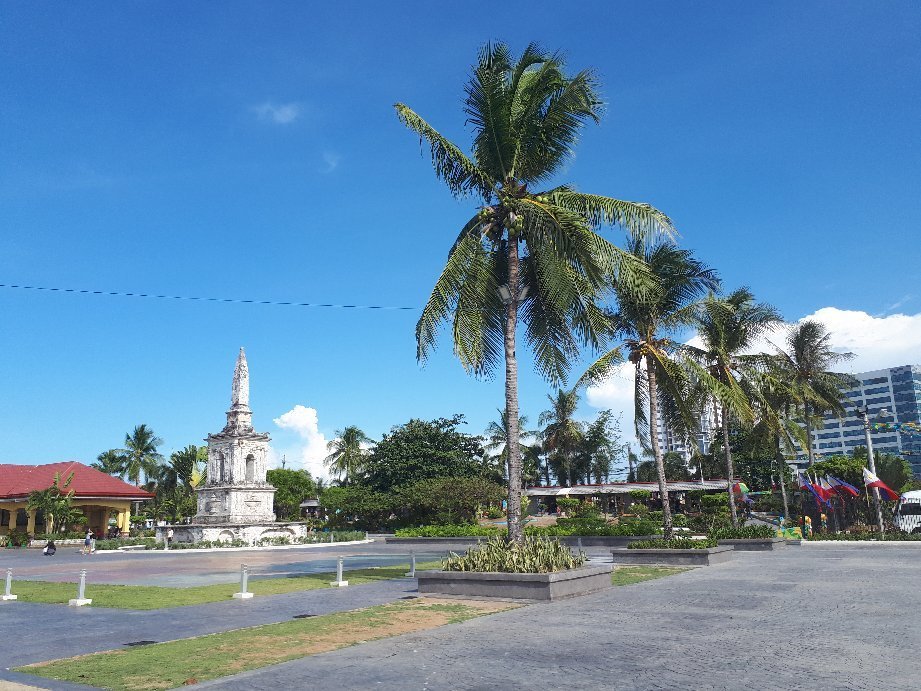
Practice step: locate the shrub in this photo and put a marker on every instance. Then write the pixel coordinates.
(567, 504)
(640, 509)
(449, 531)
(534, 555)
(640, 494)
(115, 543)
(494, 513)
(865, 536)
(656, 516)
(674, 543)
(679, 520)
(574, 527)
(748, 532)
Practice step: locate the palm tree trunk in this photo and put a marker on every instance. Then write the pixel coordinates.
(511, 395)
(727, 452)
(809, 453)
(783, 481)
(657, 452)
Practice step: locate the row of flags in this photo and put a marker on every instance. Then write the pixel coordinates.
(827, 487)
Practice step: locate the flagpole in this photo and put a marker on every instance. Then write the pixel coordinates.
(865, 412)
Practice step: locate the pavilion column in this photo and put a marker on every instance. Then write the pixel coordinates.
(14, 514)
(30, 528)
(124, 521)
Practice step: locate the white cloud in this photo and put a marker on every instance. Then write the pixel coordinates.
(278, 113)
(616, 394)
(308, 445)
(877, 342)
(331, 159)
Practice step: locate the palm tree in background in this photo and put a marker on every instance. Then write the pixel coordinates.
(729, 327)
(644, 322)
(600, 447)
(111, 462)
(562, 435)
(348, 453)
(497, 440)
(140, 455)
(806, 363)
(530, 252)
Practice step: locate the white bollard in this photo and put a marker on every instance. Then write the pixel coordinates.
(9, 586)
(580, 544)
(331, 536)
(81, 598)
(412, 564)
(339, 583)
(244, 594)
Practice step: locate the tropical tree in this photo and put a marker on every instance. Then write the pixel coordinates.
(645, 323)
(562, 435)
(497, 440)
(111, 462)
(55, 503)
(348, 453)
(806, 363)
(528, 252)
(601, 446)
(140, 454)
(725, 368)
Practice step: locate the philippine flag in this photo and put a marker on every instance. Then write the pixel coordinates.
(841, 487)
(870, 480)
(821, 490)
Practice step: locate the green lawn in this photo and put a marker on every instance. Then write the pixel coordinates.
(154, 597)
(627, 575)
(177, 663)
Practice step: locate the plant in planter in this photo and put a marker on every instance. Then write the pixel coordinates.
(748, 532)
(673, 543)
(532, 555)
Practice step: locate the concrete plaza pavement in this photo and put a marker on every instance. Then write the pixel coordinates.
(184, 568)
(800, 618)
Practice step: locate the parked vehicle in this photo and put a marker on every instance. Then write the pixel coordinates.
(907, 516)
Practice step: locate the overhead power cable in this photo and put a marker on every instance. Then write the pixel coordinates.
(206, 299)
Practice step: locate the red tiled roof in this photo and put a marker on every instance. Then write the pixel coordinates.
(19, 480)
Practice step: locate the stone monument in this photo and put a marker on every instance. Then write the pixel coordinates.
(235, 501)
(235, 489)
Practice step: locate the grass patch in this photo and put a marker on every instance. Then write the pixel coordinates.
(177, 663)
(627, 575)
(157, 597)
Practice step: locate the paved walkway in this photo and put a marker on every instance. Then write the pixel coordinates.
(178, 568)
(797, 619)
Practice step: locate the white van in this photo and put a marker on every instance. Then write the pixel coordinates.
(907, 516)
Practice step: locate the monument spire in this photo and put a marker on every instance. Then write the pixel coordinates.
(240, 393)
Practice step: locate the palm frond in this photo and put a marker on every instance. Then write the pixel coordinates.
(460, 174)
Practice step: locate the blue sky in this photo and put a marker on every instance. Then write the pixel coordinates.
(250, 150)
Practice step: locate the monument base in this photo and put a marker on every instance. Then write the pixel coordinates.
(79, 602)
(251, 533)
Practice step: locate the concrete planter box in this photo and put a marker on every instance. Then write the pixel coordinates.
(767, 544)
(673, 557)
(517, 586)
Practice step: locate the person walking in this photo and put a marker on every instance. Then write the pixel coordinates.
(88, 542)
(169, 538)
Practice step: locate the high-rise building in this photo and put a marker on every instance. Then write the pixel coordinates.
(892, 396)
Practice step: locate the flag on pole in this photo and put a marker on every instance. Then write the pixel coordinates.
(806, 484)
(870, 480)
(817, 487)
(841, 487)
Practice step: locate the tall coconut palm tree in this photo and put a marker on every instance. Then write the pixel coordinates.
(528, 252)
(600, 446)
(729, 328)
(348, 453)
(140, 453)
(562, 434)
(645, 323)
(807, 361)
